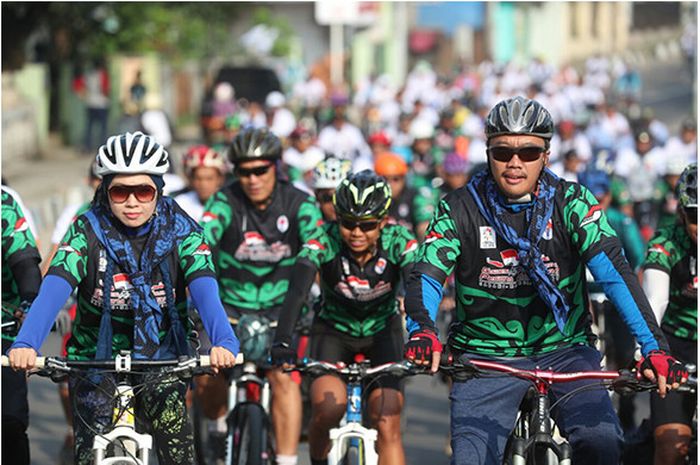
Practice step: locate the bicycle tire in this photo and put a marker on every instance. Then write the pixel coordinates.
(199, 432)
(248, 435)
(355, 455)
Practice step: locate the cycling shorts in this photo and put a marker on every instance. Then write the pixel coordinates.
(329, 344)
(676, 407)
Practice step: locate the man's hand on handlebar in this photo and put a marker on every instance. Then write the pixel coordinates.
(665, 370)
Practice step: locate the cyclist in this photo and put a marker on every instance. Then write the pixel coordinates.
(411, 208)
(20, 284)
(517, 239)
(206, 170)
(360, 267)
(131, 255)
(327, 176)
(671, 283)
(257, 226)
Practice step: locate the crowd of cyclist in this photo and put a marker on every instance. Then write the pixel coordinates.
(499, 191)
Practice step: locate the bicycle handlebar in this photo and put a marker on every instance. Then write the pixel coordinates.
(623, 380)
(359, 370)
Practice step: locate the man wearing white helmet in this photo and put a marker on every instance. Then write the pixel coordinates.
(326, 177)
(129, 236)
(344, 138)
(425, 155)
(280, 120)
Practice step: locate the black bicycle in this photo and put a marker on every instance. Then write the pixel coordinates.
(532, 441)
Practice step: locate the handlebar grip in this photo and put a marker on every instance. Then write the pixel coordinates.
(39, 363)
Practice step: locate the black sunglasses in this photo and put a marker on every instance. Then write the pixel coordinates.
(143, 193)
(365, 226)
(526, 154)
(324, 198)
(691, 215)
(248, 172)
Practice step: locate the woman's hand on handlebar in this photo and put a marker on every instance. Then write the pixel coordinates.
(22, 358)
(221, 358)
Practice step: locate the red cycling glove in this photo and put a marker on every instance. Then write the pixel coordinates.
(663, 364)
(421, 345)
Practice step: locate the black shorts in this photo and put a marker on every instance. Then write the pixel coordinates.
(677, 407)
(15, 405)
(329, 344)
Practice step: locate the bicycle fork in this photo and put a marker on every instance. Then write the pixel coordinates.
(247, 388)
(533, 435)
(353, 433)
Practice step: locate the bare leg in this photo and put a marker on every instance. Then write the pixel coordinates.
(286, 411)
(328, 402)
(385, 407)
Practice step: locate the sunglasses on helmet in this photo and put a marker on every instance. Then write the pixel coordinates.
(365, 226)
(505, 153)
(248, 172)
(143, 193)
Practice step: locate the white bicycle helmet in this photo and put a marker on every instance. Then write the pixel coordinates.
(132, 153)
(421, 129)
(329, 173)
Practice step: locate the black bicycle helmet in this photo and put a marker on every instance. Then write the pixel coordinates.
(363, 195)
(254, 144)
(519, 115)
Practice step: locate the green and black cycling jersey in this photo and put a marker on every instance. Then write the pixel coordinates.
(255, 250)
(361, 300)
(412, 207)
(81, 261)
(673, 252)
(18, 249)
(499, 312)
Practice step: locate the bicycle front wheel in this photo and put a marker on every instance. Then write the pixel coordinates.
(248, 436)
(355, 454)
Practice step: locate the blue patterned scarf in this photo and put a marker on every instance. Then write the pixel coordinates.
(491, 205)
(166, 229)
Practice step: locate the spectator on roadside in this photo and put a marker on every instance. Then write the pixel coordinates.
(685, 145)
(137, 91)
(93, 88)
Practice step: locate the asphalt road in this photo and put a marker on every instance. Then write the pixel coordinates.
(48, 184)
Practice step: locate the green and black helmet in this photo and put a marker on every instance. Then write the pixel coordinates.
(519, 115)
(687, 187)
(254, 144)
(362, 196)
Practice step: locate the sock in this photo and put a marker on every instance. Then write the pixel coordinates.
(319, 462)
(218, 425)
(286, 460)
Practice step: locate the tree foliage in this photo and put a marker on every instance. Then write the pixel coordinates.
(82, 30)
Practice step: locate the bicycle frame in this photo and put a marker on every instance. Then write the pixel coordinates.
(247, 388)
(353, 430)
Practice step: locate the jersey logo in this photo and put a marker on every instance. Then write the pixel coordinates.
(547, 234)
(410, 246)
(255, 248)
(354, 288)
(20, 226)
(487, 237)
(203, 249)
(510, 257)
(313, 244)
(495, 263)
(282, 223)
(658, 248)
(207, 217)
(68, 249)
(380, 266)
(433, 236)
(121, 282)
(593, 215)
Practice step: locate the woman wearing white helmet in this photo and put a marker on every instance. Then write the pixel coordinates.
(327, 176)
(131, 255)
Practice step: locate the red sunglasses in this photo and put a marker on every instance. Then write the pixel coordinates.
(143, 193)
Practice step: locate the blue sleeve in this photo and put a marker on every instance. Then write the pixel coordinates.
(626, 294)
(205, 295)
(53, 293)
(430, 295)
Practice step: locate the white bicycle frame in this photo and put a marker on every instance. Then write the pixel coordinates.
(237, 394)
(137, 446)
(340, 437)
